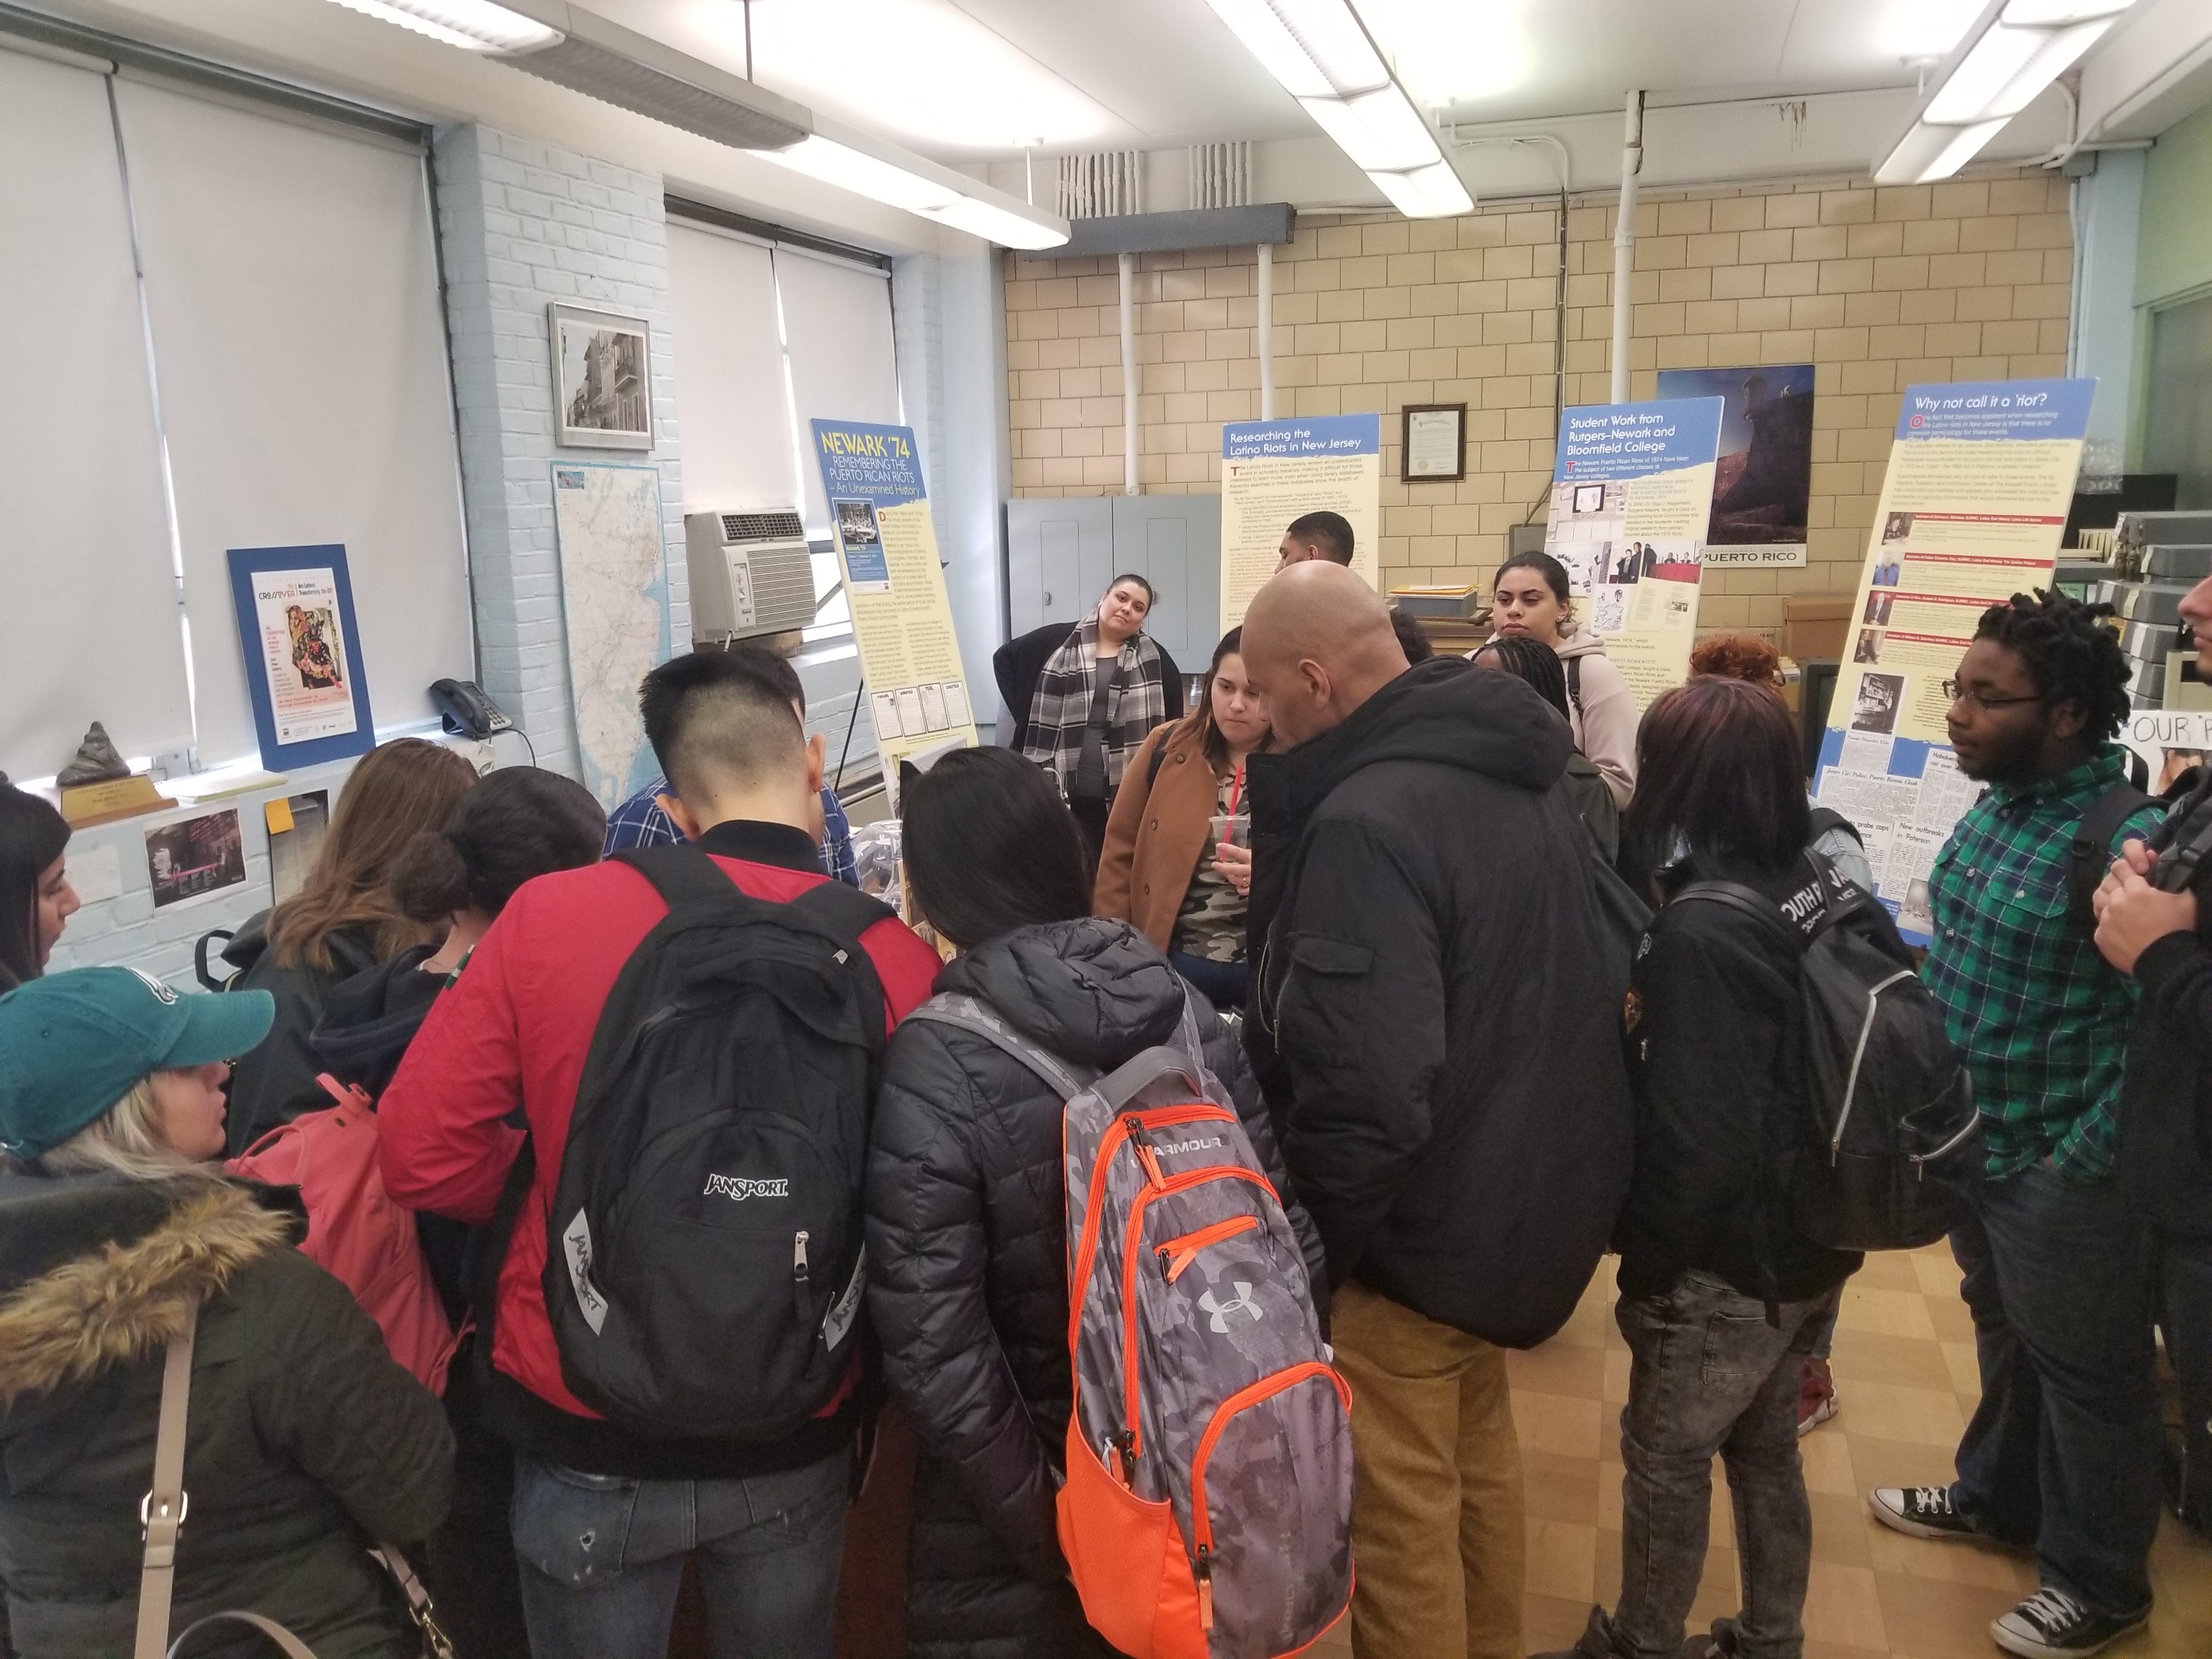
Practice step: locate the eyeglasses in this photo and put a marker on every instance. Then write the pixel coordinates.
(1958, 693)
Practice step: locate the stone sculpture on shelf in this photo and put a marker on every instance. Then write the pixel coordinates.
(97, 761)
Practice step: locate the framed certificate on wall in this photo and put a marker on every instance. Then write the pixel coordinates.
(1432, 446)
(302, 649)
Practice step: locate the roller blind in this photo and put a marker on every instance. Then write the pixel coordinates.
(291, 282)
(88, 590)
(837, 327)
(732, 407)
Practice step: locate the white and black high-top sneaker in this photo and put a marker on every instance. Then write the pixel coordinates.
(2052, 1624)
(1920, 1511)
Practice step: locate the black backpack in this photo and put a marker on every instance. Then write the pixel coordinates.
(704, 1267)
(1886, 1145)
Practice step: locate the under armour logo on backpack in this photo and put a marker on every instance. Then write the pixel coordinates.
(1242, 1301)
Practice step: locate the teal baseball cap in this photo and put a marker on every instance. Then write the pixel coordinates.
(72, 1044)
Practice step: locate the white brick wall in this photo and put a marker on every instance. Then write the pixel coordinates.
(522, 224)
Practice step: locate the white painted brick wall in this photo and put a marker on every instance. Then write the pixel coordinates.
(522, 224)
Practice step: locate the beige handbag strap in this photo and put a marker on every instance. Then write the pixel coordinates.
(163, 1510)
(162, 1514)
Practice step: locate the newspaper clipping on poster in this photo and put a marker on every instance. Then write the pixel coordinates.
(1274, 472)
(1632, 492)
(1973, 507)
(916, 690)
(302, 654)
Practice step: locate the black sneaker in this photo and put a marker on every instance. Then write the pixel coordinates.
(2052, 1624)
(1595, 1643)
(1920, 1511)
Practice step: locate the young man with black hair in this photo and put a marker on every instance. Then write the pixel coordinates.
(644, 821)
(1317, 536)
(602, 1518)
(2062, 1452)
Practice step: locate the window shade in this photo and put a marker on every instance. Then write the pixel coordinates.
(291, 286)
(733, 409)
(88, 592)
(837, 327)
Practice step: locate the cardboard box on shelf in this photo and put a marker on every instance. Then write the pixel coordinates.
(1816, 626)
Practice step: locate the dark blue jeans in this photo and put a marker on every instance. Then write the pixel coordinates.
(1224, 984)
(2062, 1452)
(601, 1558)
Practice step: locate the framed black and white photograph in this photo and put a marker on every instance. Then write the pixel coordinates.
(602, 379)
(1432, 446)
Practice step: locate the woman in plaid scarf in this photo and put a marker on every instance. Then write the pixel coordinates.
(1101, 692)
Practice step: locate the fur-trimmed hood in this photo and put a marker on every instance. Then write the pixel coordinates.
(101, 1271)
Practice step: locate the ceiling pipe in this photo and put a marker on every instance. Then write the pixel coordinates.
(1266, 326)
(1127, 262)
(1623, 246)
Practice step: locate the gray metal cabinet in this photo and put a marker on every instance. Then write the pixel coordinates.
(1061, 554)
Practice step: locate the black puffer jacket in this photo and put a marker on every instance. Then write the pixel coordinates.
(1436, 1010)
(276, 1082)
(305, 1439)
(967, 1268)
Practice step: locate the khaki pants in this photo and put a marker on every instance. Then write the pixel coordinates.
(1438, 1535)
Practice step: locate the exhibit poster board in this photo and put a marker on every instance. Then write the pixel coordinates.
(1632, 491)
(902, 621)
(1274, 472)
(614, 604)
(303, 668)
(1972, 509)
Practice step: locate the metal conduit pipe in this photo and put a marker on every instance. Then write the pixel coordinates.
(1623, 246)
(1266, 331)
(1128, 268)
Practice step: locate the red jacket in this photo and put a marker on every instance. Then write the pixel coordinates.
(513, 1031)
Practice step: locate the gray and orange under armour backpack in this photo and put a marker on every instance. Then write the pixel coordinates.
(1207, 1508)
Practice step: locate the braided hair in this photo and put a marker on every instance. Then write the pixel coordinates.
(1531, 660)
(2069, 654)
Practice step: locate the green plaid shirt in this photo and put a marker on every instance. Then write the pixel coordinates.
(2040, 1017)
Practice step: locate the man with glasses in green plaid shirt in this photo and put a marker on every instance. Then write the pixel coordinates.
(2062, 1453)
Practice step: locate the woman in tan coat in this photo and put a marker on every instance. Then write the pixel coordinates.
(1178, 862)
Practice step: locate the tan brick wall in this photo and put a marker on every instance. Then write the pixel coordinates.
(1879, 288)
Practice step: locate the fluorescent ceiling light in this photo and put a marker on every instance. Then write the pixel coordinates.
(2016, 49)
(882, 172)
(1325, 58)
(471, 25)
(1455, 51)
(582, 51)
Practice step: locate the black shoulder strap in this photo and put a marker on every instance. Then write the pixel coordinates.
(1745, 901)
(1575, 684)
(679, 872)
(2091, 854)
(1153, 766)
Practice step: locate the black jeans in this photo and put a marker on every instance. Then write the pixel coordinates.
(1708, 1374)
(2185, 1313)
(2062, 1451)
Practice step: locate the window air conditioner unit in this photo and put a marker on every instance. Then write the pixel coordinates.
(751, 574)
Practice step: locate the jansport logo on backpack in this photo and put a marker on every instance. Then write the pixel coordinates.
(1887, 1139)
(1207, 1510)
(707, 1270)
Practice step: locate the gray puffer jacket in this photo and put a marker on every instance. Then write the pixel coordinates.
(304, 1442)
(967, 1268)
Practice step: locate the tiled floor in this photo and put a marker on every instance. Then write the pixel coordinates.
(1905, 1373)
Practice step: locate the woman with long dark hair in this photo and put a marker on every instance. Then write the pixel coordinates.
(343, 922)
(1527, 658)
(1175, 863)
(36, 899)
(967, 1229)
(1721, 1296)
(1531, 596)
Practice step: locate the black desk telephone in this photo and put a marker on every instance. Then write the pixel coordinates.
(467, 711)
